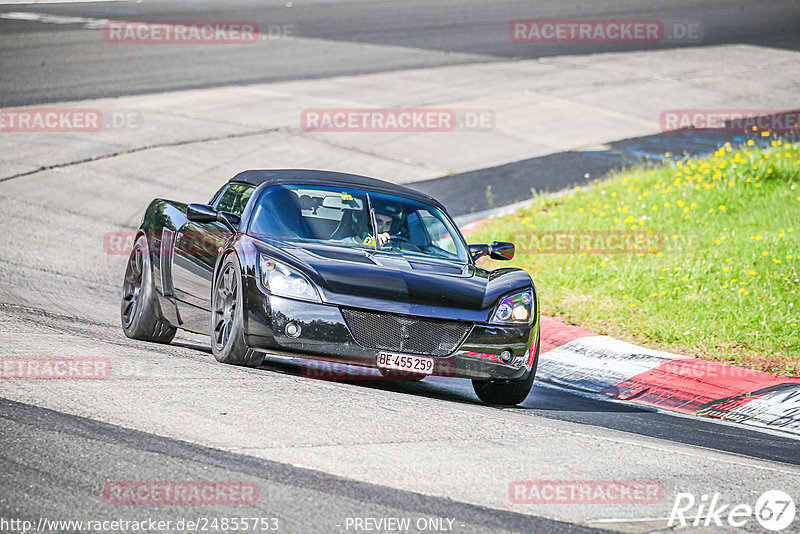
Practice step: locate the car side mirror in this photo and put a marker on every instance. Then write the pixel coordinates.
(203, 213)
(478, 251)
(501, 250)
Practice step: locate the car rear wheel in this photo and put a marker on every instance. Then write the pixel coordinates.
(227, 323)
(139, 311)
(506, 392)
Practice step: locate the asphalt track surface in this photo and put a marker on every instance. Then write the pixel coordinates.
(285, 492)
(47, 62)
(54, 463)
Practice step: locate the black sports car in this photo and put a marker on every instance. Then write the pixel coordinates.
(335, 267)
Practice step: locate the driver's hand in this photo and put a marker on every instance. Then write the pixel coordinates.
(383, 238)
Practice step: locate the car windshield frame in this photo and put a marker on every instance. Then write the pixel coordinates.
(358, 201)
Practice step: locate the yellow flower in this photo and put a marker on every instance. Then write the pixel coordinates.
(765, 253)
(751, 272)
(721, 207)
(580, 210)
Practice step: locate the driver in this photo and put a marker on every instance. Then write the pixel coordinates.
(385, 216)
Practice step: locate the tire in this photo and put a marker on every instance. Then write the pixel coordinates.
(227, 322)
(139, 311)
(506, 392)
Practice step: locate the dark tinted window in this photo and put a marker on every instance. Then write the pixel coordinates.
(341, 217)
(233, 198)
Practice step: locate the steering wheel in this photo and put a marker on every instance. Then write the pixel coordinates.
(400, 243)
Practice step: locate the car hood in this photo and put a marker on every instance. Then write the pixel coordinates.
(400, 283)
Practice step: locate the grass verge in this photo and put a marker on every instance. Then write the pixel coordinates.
(698, 257)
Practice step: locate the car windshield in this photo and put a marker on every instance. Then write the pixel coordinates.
(341, 217)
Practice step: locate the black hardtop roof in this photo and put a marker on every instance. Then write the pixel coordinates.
(276, 176)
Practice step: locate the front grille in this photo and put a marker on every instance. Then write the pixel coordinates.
(415, 335)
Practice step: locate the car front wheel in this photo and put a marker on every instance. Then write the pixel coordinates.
(227, 323)
(506, 392)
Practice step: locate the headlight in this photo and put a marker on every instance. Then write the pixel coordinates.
(515, 309)
(285, 281)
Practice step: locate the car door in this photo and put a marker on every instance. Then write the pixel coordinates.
(195, 254)
(197, 246)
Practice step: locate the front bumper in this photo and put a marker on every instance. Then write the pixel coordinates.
(325, 336)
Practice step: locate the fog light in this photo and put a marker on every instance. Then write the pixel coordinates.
(292, 330)
(506, 356)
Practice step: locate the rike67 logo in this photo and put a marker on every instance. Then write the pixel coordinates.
(774, 510)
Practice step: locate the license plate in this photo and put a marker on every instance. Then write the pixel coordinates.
(405, 362)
